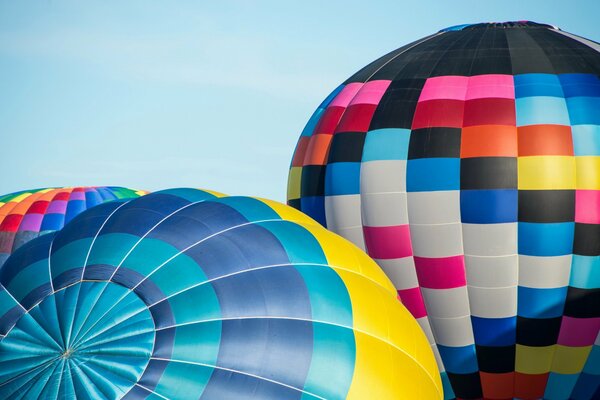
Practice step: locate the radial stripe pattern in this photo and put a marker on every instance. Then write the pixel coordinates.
(468, 165)
(191, 294)
(30, 213)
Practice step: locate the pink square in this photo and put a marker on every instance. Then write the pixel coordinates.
(445, 87)
(346, 95)
(441, 273)
(497, 86)
(31, 222)
(587, 206)
(57, 207)
(371, 92)
(413, 301)
(388, 242)
(578, 332)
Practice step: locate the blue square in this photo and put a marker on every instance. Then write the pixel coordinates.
(459, 360)
(541, 303)
(494, 331)
(489, 206)
(342, 178)
(431, 174)
(546, 239)
(386, 144)
(528, 85)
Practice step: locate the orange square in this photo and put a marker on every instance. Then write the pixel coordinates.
(488, 141)
(538, 140)
(317, 150)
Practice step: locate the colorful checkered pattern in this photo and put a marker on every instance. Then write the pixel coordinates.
(190, 294)
(468, 166)
(27, 214)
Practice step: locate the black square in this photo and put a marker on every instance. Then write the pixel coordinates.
(466, 386)
(582, 303)
(537, 331)
(496, 359)
(587, 239)
(347, 147)
(397, 106)
(488, 173)
(312, 181)
(546, 206)
(434, 142)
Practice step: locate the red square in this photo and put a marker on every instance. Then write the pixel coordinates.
(529, 386)
(38, 207)
(62, 196)
(11, 223)
(545, 140)
(490, 111)
(357, 118)
(300, 151)
(329, 120)
(438, 113)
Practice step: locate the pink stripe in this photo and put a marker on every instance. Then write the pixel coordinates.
(388, 242)
(31, 222)
(371, 92)
(57, 207)
(413, 301)
(346, 95)
(441, 273)
(497, 86)
(587, 206)
(578, 332)
(445, 87)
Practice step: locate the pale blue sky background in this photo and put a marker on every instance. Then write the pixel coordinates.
(154, 94)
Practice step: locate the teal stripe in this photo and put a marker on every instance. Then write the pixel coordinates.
(196, 304)
(111, 248)
(70, 256)
(300, 245)
(178, 274)
(251, 209)
(28, 279)
(179, 380)
(187, 338)
(585, 272)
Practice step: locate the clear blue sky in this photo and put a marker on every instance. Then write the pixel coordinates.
(155, 94)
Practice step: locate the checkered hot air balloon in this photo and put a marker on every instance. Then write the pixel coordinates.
(27, 214)
(467, 164)
(186, 294)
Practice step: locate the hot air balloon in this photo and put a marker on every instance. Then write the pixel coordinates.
(185, 294)
(467, 164)
(27, 214)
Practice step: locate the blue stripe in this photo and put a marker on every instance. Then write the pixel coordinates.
(386, 144)
(586, 140)
(530, 85)
(585, 272)
(560, 386)
(489, 206)
(542, 110)
(578, 85)
(342, 178)
(541, 303)
(584, 110)
(494, 331)
(459, 360)
(429, 174)
(52, 222)
(546, 239)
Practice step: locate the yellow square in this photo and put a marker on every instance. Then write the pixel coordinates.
(546, 172)
(534, 360)
(294, 179)
(588, 172)
(570, 360)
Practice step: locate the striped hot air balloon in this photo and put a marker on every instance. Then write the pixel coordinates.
(27, 214)
(189, 294)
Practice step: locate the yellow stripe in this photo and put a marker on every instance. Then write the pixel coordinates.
(293, 190)
(588, 172)
(570, 360)
(393, 358)
(546, 172)
(534, 360)
(288, 213)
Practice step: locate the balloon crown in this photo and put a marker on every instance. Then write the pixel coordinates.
(504, 25)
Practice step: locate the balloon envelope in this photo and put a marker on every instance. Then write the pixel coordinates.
(467, 164)
(186, 294)
(28, 214)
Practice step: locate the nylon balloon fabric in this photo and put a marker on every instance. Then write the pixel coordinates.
(186, 293)
(467, 164)
(30, 213)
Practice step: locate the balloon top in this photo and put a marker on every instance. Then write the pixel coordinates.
(503, 25)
